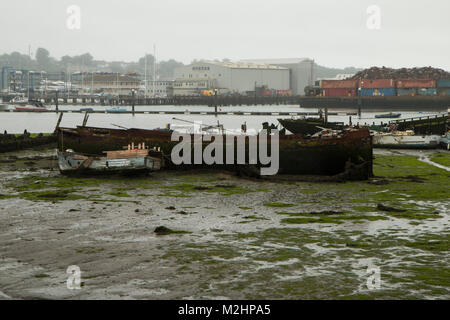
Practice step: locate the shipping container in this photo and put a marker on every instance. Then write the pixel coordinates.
(443, 83)
(383, 92)
(419, 83)
(426, 91)
(444, 92)
(406, 92)
(339, 84)
(377, 83)
(339, 92)
(367, 92)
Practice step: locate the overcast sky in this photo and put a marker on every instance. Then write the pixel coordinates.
(333, 32)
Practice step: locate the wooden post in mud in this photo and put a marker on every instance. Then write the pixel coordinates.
(86, 117)
(59, 121)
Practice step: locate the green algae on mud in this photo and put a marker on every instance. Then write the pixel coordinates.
(442, 158)
(286, 261)
(279, 205)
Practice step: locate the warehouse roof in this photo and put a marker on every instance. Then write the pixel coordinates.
(114, 77)
(243, 65)
(278, 61)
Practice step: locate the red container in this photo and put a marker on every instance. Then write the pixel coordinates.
(419, 83)
(284, 92)
(339, 92)
(377, 84)
(339, 84)
(267, 93)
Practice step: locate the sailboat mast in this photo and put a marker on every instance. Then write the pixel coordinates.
(154, 69)
(145, 75)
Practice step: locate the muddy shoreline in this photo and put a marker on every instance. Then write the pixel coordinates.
(235, 238)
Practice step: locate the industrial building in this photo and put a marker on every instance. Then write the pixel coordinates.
(159, 88)
(301, 71)
(229, 77)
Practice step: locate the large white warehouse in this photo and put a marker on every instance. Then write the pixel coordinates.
(301, 71)
(234, 77)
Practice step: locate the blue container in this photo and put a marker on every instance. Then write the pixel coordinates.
(406, 92)
(443, 83)
(426, 91)
(367, 92)
(384, 92)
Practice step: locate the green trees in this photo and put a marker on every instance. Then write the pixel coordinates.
(85, 62)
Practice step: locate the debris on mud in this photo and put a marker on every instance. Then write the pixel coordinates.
(389, 209)
(162, 231)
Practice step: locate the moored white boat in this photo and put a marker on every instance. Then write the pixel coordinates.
(32, 106)
(405, 140)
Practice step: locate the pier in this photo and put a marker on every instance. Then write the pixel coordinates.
(358, 103)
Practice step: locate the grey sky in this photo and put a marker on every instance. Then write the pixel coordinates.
(333, 32)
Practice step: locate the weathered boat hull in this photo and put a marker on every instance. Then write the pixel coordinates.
(297, 155)
(392, 141)
(308, 126)
(71, 163)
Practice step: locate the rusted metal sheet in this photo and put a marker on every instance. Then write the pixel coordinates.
(339, 92)
(377, 83)
(417, 83)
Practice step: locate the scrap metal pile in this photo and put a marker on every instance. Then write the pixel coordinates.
(403, 73)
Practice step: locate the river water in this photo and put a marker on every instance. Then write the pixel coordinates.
(14, 122)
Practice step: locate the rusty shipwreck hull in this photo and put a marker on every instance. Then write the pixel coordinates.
(350, 154)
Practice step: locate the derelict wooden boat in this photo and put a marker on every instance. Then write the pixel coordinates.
(130, 161)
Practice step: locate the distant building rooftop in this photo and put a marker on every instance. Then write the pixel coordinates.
(114, 77)
(278, 61)
(243, 65)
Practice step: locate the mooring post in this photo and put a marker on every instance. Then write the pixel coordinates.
(132, 101)
(59, 122)
(56, 101)
(86, 117)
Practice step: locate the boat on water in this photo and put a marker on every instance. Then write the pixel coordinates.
(4, 107)
(116, 110)
(130, 161)
(347, 153)
(309, 126)
(390, 115)
(31, 106)
(405, 140)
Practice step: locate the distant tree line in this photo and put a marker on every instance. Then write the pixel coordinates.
(42, 61)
